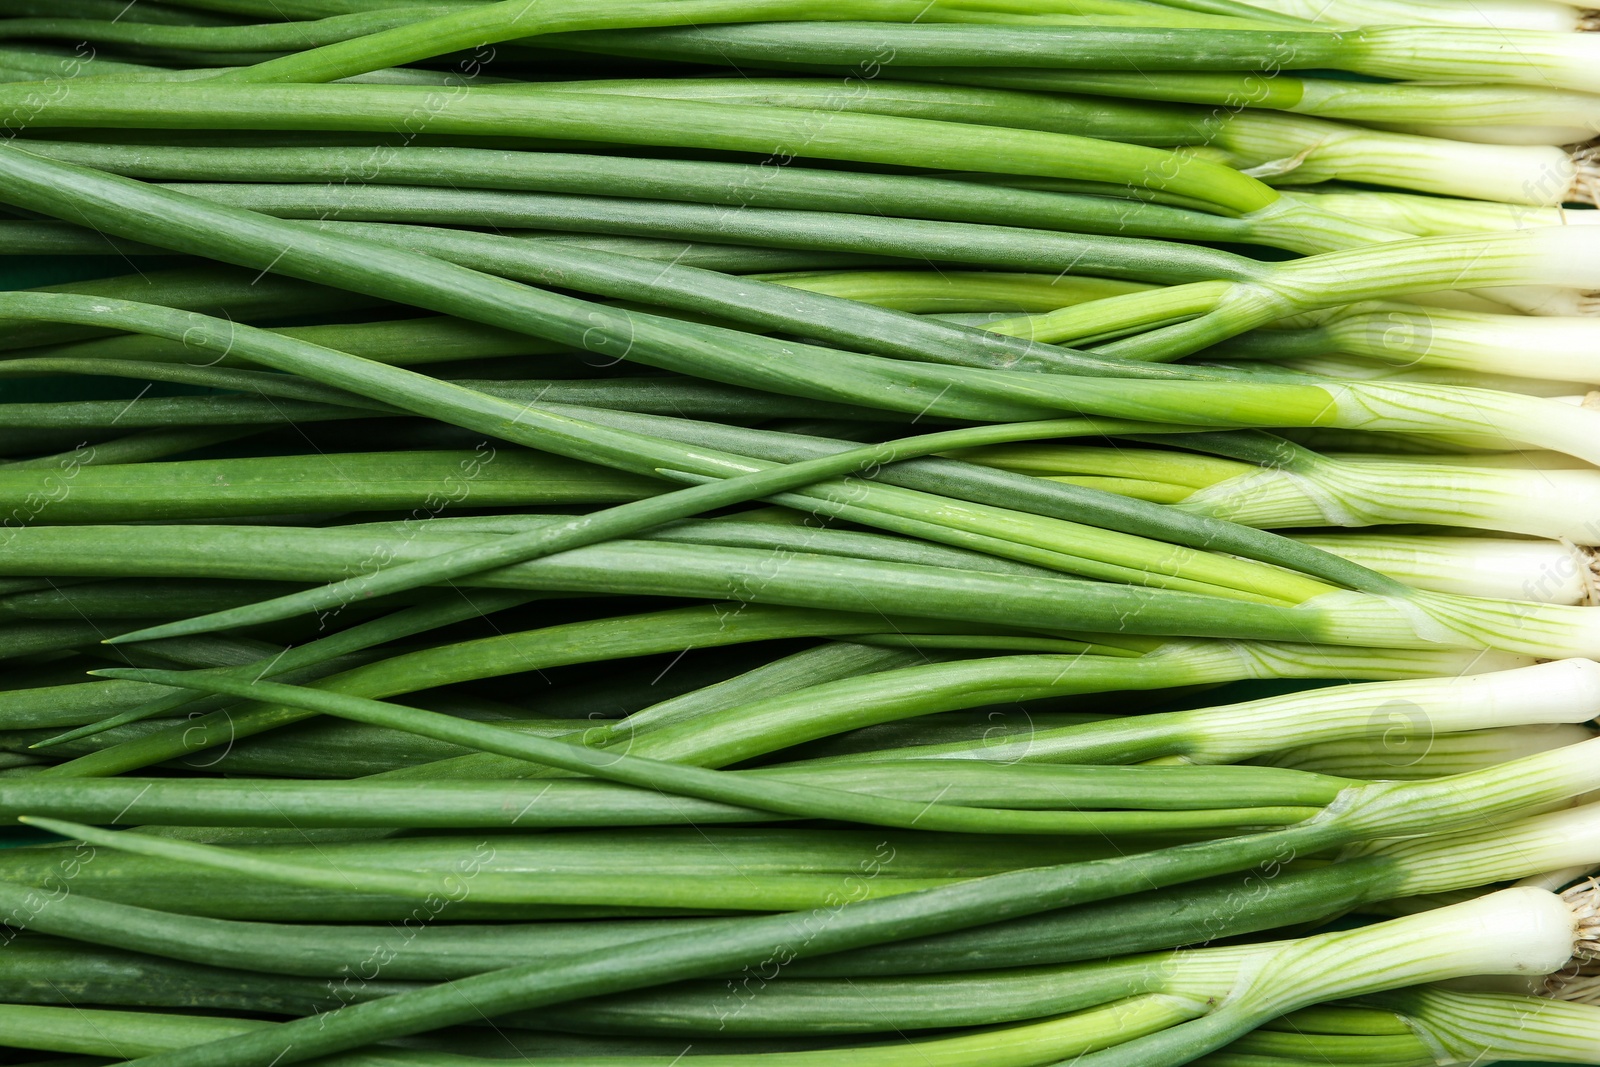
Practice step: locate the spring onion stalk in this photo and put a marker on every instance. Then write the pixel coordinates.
(488, 25)
(1442, 106)
(1447, 613)
(776, 719)
(138, 447)
(734, 185)
(574, 802)
(852, 234)
(1548, 572)
(1306, 488)
(993, 997)
(821, 663)
(1218, 310)
(1138, 923)
(987, 485)
(683, 397)
(1371, 405)
(1477, 1026)
(499, 425)
(486, 111)
(438, 611)
(770, 724)
(607, 873)
(644, 568)
(653, 510)
(560, 644)
(211, 291)
(1555, 348)
(1432, 216)
(34, 238)
(1364, 492)
(1444, 754)
(931, 292)
(474, 27)
(122, 1033)
(1362, 405)
(1271, 146)
(289, 485)
(806, 800)
(1405, 715)
(1264, 994)
(1411, 53)
(1032, 539)
(1552, 927)
(1355, 368)
(748, 301)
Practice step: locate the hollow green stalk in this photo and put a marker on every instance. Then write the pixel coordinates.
(1274, 146)
(139, 447)
(1140, 922)
(913, 914)
(1372, 406)
(731, 185)
(35, 238)
(1234, 797)
(124, 1033)
(217, 103)
(584, 642)
(1407, 53)
(1439, 105)
(1406, 716)
(440, 610)
(210, 291)
(804, 800)
(1529, 257)
(644, 568)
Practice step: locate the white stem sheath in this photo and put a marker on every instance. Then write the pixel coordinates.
(1442, 755)
(1561, 257)
(1472, 1029)
(1569, 838)
(1547, 135)
(1432, 216)
(1543, 571)
(1355, 368)
(1280, 147)
(1502, 14)
(1487, 54)
(1504, 420)
(1446, 107)
(1555, 348)
(1555, 504)
(1398, 715)
(1519, 931)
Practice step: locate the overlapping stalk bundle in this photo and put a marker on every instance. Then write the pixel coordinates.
(762, 533)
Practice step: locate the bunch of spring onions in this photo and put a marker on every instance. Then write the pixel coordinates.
(768, 533)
